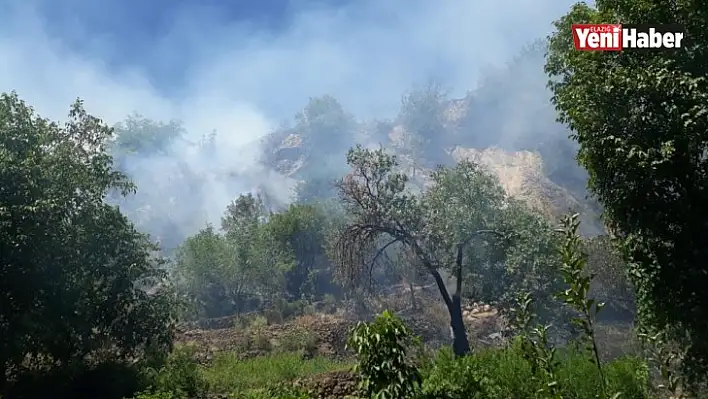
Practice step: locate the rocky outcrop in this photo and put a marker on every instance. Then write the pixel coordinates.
(521, 175)
(290, 155)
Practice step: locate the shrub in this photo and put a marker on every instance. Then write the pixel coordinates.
(259, 334)
(181, 375)
(277, 392)
(273, 316)
(329, 303)
(260, 341)
(385, 370)
(459, 377)
(299, 340)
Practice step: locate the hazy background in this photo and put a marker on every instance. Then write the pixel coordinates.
(243, 66)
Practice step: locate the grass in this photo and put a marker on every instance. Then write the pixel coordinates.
(504, 373)
(498, 372)
(488, 373)
(228, 374)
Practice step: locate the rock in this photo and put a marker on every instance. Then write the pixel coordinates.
(331, 385)
(521, 174)
(495, 336)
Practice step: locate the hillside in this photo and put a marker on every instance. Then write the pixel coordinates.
(524, 174)
(506, 124)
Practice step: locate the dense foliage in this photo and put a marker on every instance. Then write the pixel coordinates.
(256, 258)
(641, 122)
(79, 284)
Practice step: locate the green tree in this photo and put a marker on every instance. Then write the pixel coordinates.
(327, 132)
(301, 229)
(138, 134)
(422, 115)
(323, 120)
(641, 120)
(207, 275)
(244, 262)
(256, 247)
(499, 270)
(77, 281)
(463, 204)
(244, 215)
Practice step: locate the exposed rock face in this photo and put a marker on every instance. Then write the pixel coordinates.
(521, 175)
(290, 155)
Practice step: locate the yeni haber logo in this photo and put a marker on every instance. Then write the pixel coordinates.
(617, 37)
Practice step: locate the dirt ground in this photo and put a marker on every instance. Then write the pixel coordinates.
(326, 334)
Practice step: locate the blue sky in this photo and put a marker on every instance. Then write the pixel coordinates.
(133, 28)
(267, 54)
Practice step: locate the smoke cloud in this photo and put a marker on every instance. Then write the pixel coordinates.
(241, 77)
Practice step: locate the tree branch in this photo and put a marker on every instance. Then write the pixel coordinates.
(382, 249)
(441, 287)
(379, 253)
(480, 232)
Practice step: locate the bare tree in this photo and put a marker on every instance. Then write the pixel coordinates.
(463, 204)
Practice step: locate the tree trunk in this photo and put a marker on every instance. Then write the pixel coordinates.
(460, 343)
(413, 304)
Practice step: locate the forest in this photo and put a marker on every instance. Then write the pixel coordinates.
(426, 256)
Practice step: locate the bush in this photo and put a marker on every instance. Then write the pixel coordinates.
(279, 392)
(299, 340)
(107, 380)
(261, 341)
(329, 303)
(181, 375)
(289, 310)
(385, 370)
(463, 377)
